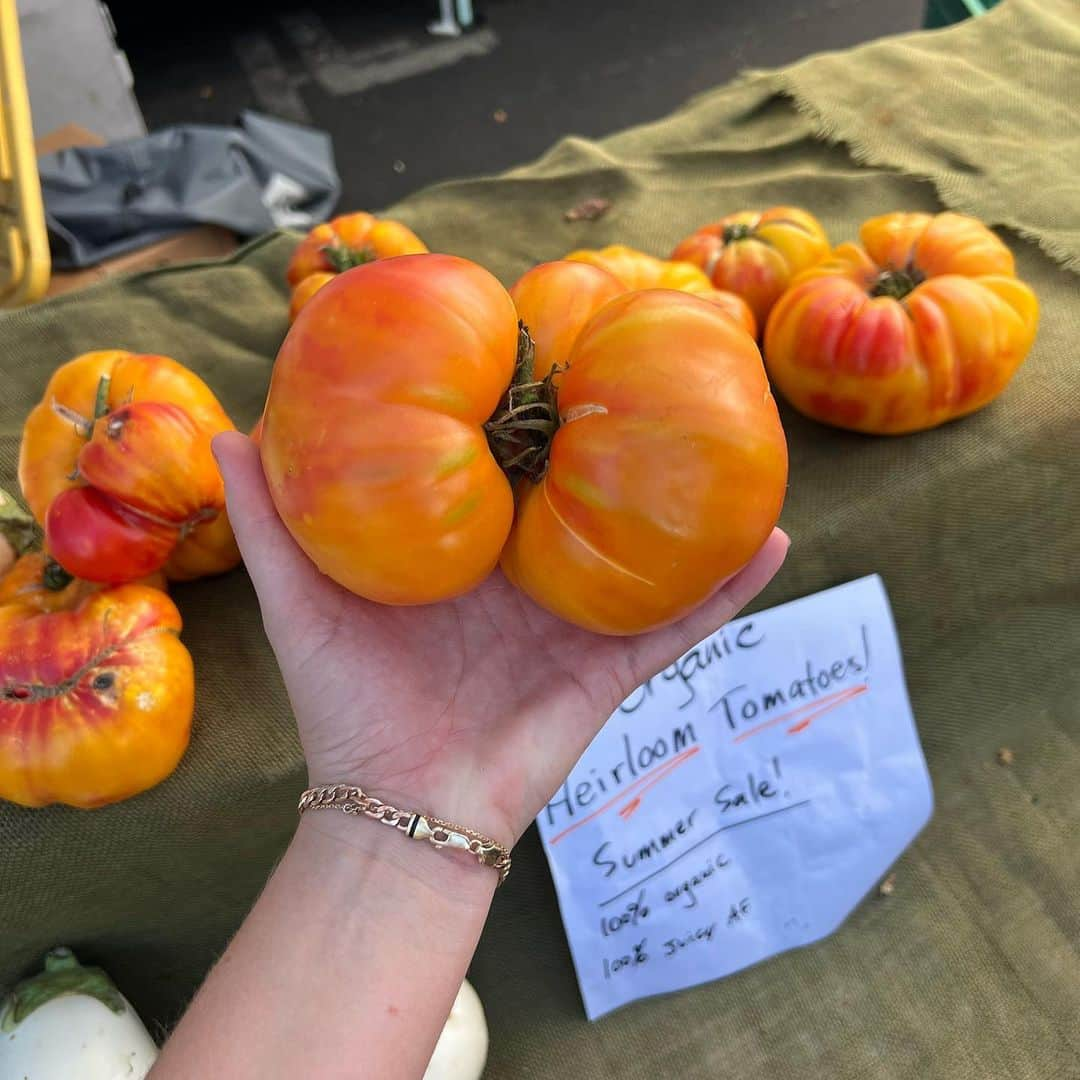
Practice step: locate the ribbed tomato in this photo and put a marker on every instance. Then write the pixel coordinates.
(923, 323)
(373, 442)
(666, 474)
(122, 442)
(755, 254)
(150, 478)
(96, 690)
(96, 538)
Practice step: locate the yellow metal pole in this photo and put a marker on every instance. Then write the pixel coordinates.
(24, 242)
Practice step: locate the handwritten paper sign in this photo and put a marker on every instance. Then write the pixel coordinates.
(741, 802)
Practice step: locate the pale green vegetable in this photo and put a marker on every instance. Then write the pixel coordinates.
(70, 1021)
(462, 1048)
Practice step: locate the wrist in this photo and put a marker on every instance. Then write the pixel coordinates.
(364, 849)
(452, 796)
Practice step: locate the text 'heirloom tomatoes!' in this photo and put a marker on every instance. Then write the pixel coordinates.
(924, 322)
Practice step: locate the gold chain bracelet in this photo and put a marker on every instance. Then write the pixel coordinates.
(351, 800)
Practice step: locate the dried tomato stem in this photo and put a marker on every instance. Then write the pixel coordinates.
(31, 692)
(84, 425)
(522, 427)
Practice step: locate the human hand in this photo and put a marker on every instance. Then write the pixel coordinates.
(473, 710)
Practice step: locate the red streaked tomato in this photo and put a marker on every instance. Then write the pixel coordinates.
(96, 690)
(134, 421)
(93, 536)
(153, 457)
(922, 323)
(755, 253)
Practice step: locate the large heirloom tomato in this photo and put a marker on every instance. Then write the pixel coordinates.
(96, 690)
(923, 323)
(115, 462)
(637, 270)
(666, 474)
(338, 245)
(755, 254)
(373, 442)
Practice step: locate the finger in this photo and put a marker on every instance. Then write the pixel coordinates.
(745, 585)
(661, 647)
(276, 564)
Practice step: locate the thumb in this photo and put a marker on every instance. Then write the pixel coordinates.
(659, 648)
(279, 569)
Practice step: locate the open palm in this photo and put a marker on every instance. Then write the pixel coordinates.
(474, 709)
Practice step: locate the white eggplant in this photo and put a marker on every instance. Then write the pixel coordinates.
(70, 1021)
(462, 1048)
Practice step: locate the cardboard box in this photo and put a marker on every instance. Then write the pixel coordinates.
(64, 137)
(203, 242)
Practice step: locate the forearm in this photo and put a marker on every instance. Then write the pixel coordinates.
(347, 965)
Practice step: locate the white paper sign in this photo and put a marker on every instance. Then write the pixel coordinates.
(741, 802)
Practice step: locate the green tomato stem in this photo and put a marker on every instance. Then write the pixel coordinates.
(63, 974)
(101, 398)
(342, 258)
(897, 283)
(521, 429)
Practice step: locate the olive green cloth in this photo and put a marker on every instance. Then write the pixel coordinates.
(969, 970)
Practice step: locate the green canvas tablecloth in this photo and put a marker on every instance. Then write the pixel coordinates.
(970, 969)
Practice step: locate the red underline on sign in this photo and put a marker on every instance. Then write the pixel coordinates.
(818, 708)
(654, 776)
(661, 774)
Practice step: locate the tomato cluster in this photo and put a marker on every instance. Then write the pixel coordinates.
(618, 474)
(629, 458)
(604, 432)
(925, 321)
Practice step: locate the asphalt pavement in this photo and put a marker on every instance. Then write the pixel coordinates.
(407, 108)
